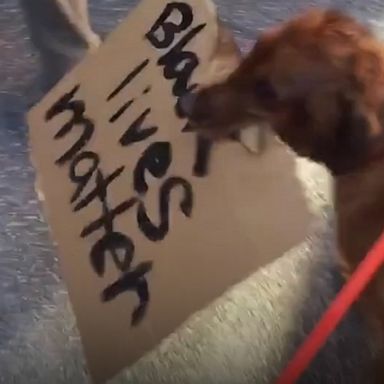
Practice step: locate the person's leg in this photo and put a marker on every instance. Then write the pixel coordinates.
(61, 32)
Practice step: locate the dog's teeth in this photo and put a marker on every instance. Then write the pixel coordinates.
(252, 139)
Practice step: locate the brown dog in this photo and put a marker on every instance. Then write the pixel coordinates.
(318, 81)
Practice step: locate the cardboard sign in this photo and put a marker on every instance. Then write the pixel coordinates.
(151, 227)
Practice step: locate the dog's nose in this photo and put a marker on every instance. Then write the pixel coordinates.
(187, 103)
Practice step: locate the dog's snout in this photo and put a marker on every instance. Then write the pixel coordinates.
(187, 103)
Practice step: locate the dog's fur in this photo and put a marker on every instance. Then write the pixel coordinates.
(318, 81)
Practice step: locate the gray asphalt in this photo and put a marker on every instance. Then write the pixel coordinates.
(246, 335)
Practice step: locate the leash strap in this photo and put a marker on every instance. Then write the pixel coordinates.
(334, 314)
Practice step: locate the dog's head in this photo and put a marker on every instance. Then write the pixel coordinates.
(318, 80)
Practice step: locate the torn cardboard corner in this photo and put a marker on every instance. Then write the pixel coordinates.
(143, 241)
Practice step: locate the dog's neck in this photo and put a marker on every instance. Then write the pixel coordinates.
(359, 204)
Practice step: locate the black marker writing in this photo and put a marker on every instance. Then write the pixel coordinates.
(84, 167)
(128, 79)
(157, 232)
(82, 179)
(113, 242)
(96, 191)
(133, 280)
(120, 111)
(136, 132)
(147, 90)
(78, 120)
(104, 220)
(179, 65)
(202, 158)
(163, 31)
(156, 159)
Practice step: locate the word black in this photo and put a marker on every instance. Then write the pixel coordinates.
(179, 64)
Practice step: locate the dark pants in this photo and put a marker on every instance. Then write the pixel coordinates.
(61, 32)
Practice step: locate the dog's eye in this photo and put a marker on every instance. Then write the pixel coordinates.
(263, 89)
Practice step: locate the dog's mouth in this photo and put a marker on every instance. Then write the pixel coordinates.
(217, 117)
(203, 117)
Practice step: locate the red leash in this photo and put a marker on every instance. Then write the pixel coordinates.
(334, 314)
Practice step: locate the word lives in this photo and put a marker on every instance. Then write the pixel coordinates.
(85, 173)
